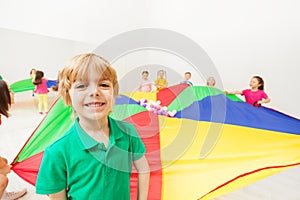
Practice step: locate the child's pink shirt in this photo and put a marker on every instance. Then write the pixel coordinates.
(254, 96)
(42, 88)
(146, 86)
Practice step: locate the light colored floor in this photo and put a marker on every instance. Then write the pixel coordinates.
(15, 130)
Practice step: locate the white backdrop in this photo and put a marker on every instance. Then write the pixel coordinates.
(243, 38)
(20, 52)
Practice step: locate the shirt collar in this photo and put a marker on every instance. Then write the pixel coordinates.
(116, 131)
(87, 142)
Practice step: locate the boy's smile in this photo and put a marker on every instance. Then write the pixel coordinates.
(95, 105)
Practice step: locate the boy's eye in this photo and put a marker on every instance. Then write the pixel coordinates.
(104, 85)
(80, 86)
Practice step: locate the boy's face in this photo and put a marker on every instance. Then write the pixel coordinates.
(187, 76)
(92, 99)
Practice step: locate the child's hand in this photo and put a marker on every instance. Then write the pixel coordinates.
(4, 167)
(4, 160)
(257, 104)
(5, 170)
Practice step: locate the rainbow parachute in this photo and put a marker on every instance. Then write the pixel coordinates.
(213, 145)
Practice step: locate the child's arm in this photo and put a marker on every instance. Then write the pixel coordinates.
(266, 100)
(3, 184)
(3, 160)
(4, 167)
(156, 82)
(52, 175)
(166, 84)
(150, 87)
(143, 169)
(62, 195)
(234, 92)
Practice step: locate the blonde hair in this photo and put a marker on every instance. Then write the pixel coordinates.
(78, 69)
(211, 79)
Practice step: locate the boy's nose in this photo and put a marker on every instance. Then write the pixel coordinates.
(95, 91)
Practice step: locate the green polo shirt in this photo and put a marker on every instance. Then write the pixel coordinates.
(87, 168)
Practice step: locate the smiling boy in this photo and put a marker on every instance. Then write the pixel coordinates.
(93, 160)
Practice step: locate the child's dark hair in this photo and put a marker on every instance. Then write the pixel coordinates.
(5, 100)
(38, 77)
(145, 72)
(189, 73)
(260, 81)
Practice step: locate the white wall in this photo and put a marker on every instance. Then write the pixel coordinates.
(130, 67)
(276, 61)
(243, 38)
(19, 52)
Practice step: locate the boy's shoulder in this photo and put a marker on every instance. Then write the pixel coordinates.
(125, 127)
(122, 125)
(66, 140)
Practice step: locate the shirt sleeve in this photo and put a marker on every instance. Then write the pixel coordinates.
(137, 147)
(264, 95)
(52, 173)
(244, 92)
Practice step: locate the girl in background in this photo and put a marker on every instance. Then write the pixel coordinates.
(5, 102)
(146, 84)
(41, 90)
(161, 81)
(256, 95)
